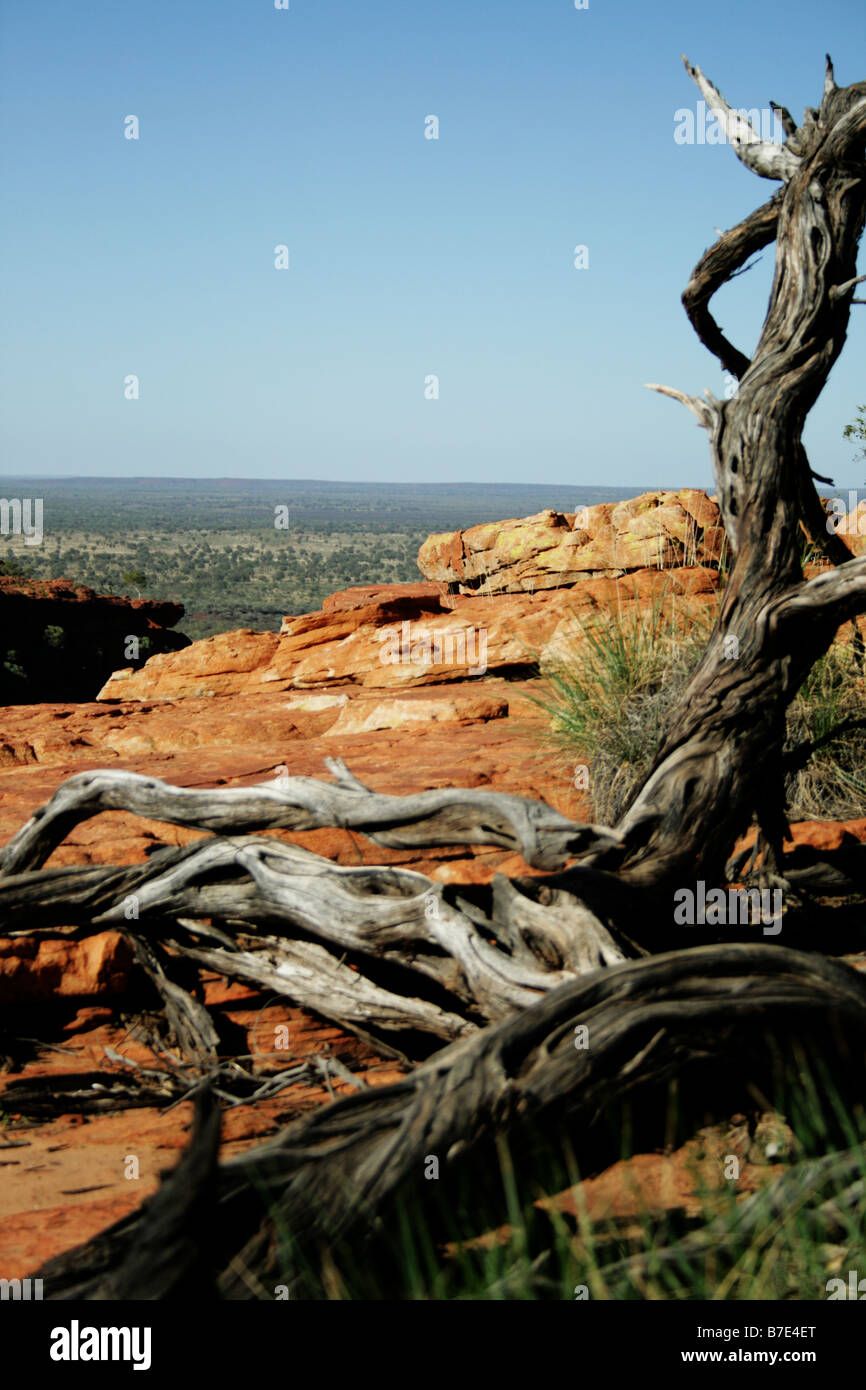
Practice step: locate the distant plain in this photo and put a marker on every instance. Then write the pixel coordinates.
(213, 544)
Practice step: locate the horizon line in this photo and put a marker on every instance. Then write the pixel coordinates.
(352, 482)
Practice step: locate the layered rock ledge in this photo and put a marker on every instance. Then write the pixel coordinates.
(552, 550)
(401, 642)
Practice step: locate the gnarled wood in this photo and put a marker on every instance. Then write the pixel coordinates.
(719, 764)
(545, 838)
(332, 1175)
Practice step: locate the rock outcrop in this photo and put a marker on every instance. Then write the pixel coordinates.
(60, 641)
(497, 598)
(404, 641)
(553, 550)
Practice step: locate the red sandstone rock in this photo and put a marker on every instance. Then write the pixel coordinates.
(213, 668)
(397, 711)
(555, 549)
(32, 969)
(362, 595)
(401, 641)
(852, 529)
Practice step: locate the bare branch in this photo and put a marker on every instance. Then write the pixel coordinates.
(831, 598)
(838, 291)
(543, 836)
(813, 514)
(789, 125)
(717, 266)
(761, 156)
(692, 403)
(235, 903)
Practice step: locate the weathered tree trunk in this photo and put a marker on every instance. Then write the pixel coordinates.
(720, 761)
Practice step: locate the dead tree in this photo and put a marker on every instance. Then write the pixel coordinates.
(721, 760)
(503, 973)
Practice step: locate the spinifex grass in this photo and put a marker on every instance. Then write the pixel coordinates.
(611, 690)
(828, 715)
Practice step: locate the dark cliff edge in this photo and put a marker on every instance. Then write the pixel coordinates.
(60, 641)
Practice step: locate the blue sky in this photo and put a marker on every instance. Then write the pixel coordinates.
(408, 257)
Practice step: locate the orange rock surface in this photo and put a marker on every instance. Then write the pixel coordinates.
(556, 549)
(402, 642)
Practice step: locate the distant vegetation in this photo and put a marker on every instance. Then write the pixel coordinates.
(231, 579)
(214, 547)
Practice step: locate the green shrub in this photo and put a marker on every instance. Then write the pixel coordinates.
(827, 740)
(12, 666)
(610, 694)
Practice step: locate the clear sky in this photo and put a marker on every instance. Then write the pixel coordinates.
(408, 256)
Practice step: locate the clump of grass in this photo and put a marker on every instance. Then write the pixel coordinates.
(494, 1234)
(827, 740)
(610, 693)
